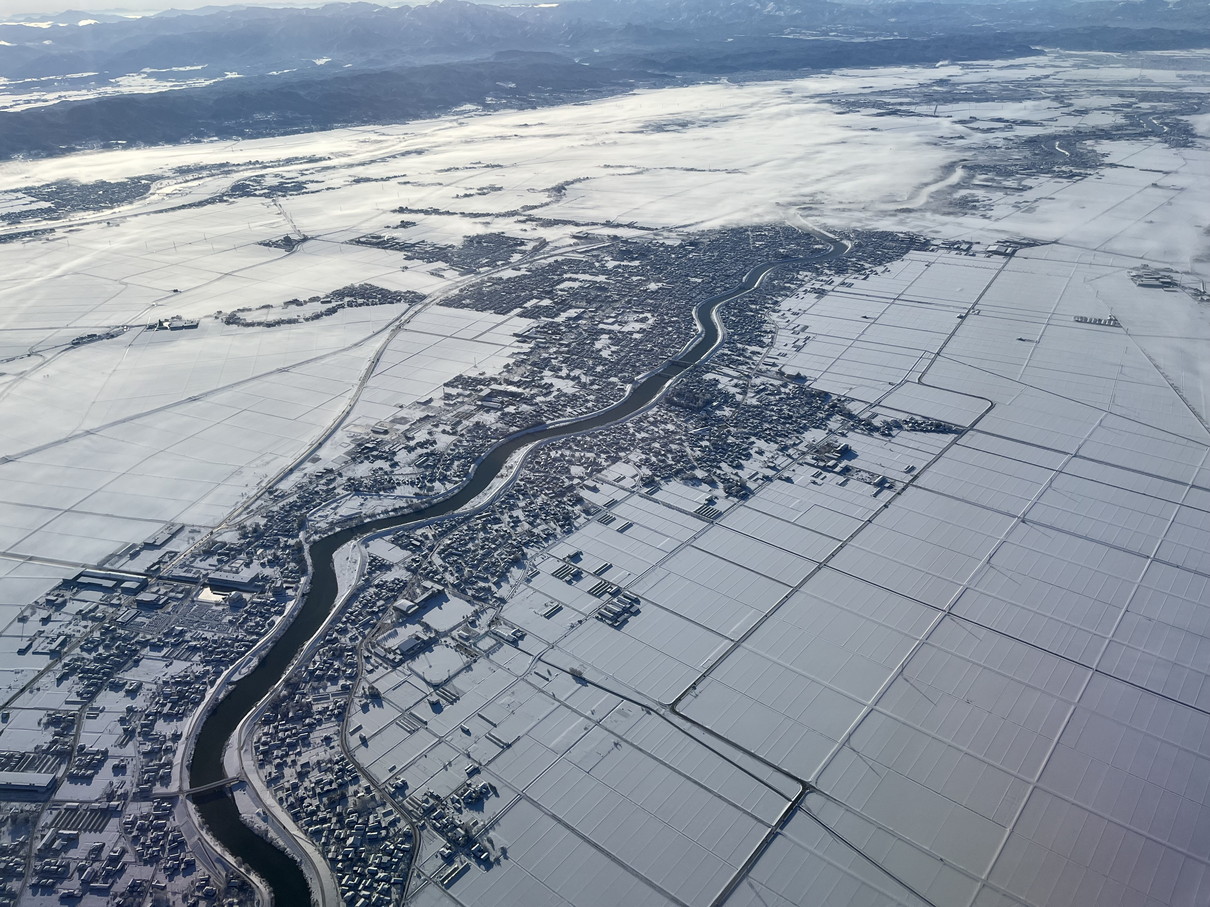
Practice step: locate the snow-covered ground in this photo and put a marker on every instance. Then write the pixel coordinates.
(112, 430)
(106, 440)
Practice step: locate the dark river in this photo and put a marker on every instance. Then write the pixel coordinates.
(218, 809)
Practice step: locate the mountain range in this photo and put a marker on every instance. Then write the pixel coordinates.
(354, 63)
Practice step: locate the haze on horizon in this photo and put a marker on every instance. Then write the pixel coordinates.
(55, 8)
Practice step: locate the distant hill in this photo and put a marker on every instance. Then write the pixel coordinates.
(358, 63)
(258, 107)
(517, 79)
(256, 41)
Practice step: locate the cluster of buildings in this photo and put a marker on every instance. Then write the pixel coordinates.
(351, 297)
(601, 318)
(64, 197)
(366, 841)
(155, 837)
(452, 819)
(132, 650)
(478, 251)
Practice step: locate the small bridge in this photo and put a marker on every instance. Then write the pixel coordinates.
(213, 785)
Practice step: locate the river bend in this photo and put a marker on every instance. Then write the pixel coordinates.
(218, 809)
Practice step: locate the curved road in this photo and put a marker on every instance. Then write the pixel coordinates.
(218, 809)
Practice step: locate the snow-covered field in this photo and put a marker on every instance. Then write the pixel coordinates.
(113, 429)
(106, 440)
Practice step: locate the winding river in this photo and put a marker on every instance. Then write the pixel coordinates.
(218, 808)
